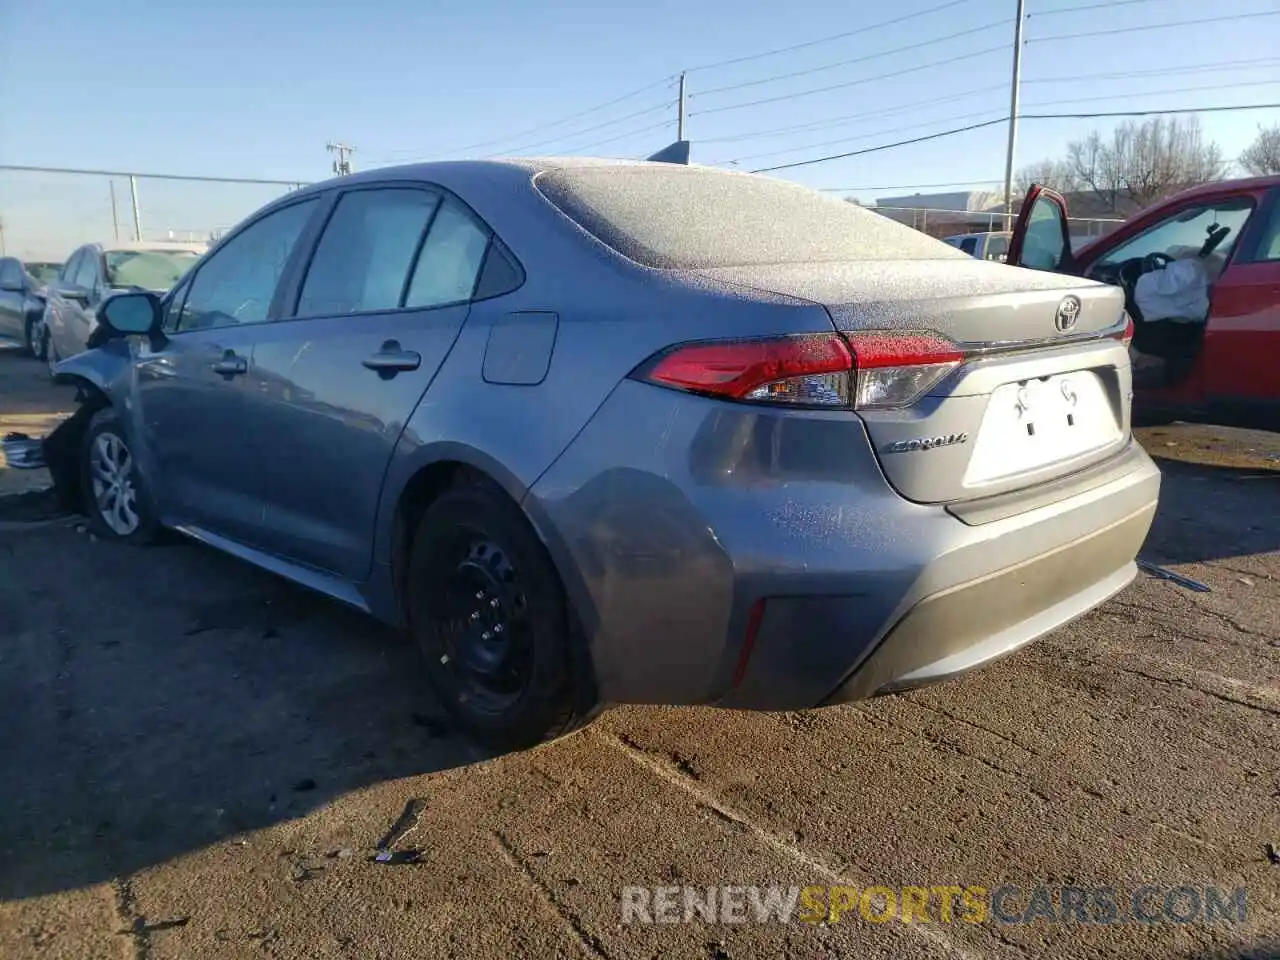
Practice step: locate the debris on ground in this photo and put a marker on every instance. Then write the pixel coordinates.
(1273, 853)
(1163, 573)
(397, 858)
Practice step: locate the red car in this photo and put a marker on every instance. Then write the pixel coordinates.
(1201, 275)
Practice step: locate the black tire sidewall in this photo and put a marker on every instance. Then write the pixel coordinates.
(545, 709)
(108, 420)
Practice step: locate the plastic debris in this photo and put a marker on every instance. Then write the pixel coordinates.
(23, 452)
(1161, 573)
(396, 858)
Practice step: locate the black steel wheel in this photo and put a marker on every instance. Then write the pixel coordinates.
(487, 609)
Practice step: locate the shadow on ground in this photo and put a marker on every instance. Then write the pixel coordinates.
(1212, 513)
(163, 699)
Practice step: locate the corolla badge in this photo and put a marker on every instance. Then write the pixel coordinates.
(1068, 314)
(926, 443)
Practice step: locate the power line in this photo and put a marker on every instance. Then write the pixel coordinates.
(1025, 116)
(1091, 6)
(1149, 113)
(849, 117)
(1040, 103)
(667, 105)
(854, 83)
(884, 146)
(666, 81)
(846, 63)
(863, 136)
(617, 137)
(828, 39)
(1215, 67)
(1155, 26)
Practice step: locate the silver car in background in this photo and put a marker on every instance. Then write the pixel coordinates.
(627, 432)
(94, 272)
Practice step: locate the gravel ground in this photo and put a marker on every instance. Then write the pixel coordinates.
(200, 760)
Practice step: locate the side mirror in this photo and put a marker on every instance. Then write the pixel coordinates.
(130, 313)
(74, 292)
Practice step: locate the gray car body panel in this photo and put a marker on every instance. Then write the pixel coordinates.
(668, 515)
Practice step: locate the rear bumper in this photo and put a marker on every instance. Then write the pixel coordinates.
(667, 551)
(950, 633)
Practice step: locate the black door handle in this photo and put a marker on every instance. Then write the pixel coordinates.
(392, 359)
(230, 365)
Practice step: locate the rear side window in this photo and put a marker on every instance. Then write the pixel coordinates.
(670, 216)
(969, 245)
(365, 254)
(450, 262)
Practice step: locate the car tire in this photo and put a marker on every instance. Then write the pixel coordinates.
(488, 611)
(29, 338)
(116, 501)
(50, 353)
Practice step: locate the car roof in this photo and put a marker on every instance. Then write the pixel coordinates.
(1218, 186)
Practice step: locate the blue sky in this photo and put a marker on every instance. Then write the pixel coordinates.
(256, 89)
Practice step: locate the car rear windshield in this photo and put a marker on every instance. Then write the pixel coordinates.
(670, 216)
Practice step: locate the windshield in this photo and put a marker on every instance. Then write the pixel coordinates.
(671, 216)
(43, 273)
(148, 269)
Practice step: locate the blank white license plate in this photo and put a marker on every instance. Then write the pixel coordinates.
(1035, 423)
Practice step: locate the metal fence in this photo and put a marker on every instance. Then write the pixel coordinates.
(939, 222)
(46, 212)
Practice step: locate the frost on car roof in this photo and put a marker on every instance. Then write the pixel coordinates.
(664, 215)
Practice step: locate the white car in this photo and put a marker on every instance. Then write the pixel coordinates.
(97, 270)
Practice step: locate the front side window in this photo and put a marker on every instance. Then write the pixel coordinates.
(1044, 246)
(450, 261)
(68, 274)
(238, 282)
(10, 274)
(156, 270)
(366, 252)
(1209, 230)
(969, 245)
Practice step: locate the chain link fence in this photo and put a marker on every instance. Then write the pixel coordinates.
(45, 212)
(940, 222)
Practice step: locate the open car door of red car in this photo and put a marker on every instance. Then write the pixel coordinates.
(1041, 238)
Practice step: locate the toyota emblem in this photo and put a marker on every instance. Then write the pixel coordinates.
(1067, 315)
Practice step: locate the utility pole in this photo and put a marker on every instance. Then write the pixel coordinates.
(1013, 114)
(680, 110)
(115, 220)
(137, 218)
(342, 165)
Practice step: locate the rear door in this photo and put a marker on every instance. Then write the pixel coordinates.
(377, 310)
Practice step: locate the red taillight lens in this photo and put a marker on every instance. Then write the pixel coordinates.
(803, 369)
(860, 370)
(896, 369)
(1127, 336)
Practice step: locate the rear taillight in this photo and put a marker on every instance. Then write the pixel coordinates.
(862, 370)
(896, 369)
(1126, 335)
(808, 370)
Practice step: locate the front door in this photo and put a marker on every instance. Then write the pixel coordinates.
(192, 383)
(383, 300)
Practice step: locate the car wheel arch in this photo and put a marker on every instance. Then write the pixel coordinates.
(464, 466)
(62, 446)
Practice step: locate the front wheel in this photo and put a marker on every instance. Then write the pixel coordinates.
(487, 609)
(115, 498)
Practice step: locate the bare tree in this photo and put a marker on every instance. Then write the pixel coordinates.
(1167, 154)
(1140, 162)
(1262, 157)
(1054, 174)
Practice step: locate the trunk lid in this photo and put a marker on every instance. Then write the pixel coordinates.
(1044, 390)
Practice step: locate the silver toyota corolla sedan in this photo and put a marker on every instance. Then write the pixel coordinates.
(601, 432)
